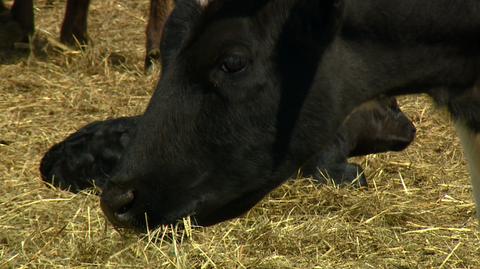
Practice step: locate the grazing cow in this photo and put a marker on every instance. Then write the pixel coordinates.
(374, 127)
(253, 89)
(88, 156)
(74, 27)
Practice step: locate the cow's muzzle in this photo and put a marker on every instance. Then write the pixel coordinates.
(118, 205)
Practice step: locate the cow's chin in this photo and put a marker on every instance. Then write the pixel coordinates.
(222, 210)
(142, 215)
(205, 209)
(206, 212)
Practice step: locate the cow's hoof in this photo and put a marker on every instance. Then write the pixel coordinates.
(87, 157)
(342, 175)
(75, 40)
(151, 59)
(352, 175)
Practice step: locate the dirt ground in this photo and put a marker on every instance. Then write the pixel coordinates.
(417, 213)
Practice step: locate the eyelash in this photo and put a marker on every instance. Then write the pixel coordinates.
(237, 64)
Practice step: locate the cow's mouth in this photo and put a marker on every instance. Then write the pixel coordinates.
(126, 210)
(123, 214)
(118, 206)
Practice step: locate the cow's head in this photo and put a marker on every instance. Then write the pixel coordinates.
(236, 111)
(379, 126)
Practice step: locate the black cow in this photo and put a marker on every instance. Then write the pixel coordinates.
(74, 27)
(374, 127)
(88, 156)
(253, 89)
(256, 88)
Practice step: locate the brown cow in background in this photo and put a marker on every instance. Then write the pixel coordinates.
(74, 27)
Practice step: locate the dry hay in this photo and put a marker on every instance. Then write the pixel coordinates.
(418, 212)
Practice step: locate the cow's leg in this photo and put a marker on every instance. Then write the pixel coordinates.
(465, 109)
(74, 27)
(331, 163)
(159, 11)
(22, 12)
(342, 174)
(471, 146)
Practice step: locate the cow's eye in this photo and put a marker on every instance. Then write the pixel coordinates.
(233, 64)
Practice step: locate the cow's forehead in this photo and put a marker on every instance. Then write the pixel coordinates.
(192, 19)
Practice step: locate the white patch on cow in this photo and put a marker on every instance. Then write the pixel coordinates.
(203, 3)
(471, 147)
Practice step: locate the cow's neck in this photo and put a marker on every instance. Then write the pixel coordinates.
(381, 49)
(413, 20)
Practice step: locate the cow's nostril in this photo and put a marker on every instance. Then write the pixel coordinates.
(128, 200)
(121, 202)
(413, 132)
(118, 206)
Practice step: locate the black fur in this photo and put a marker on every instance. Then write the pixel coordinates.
(88, 157)
(212, 143)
